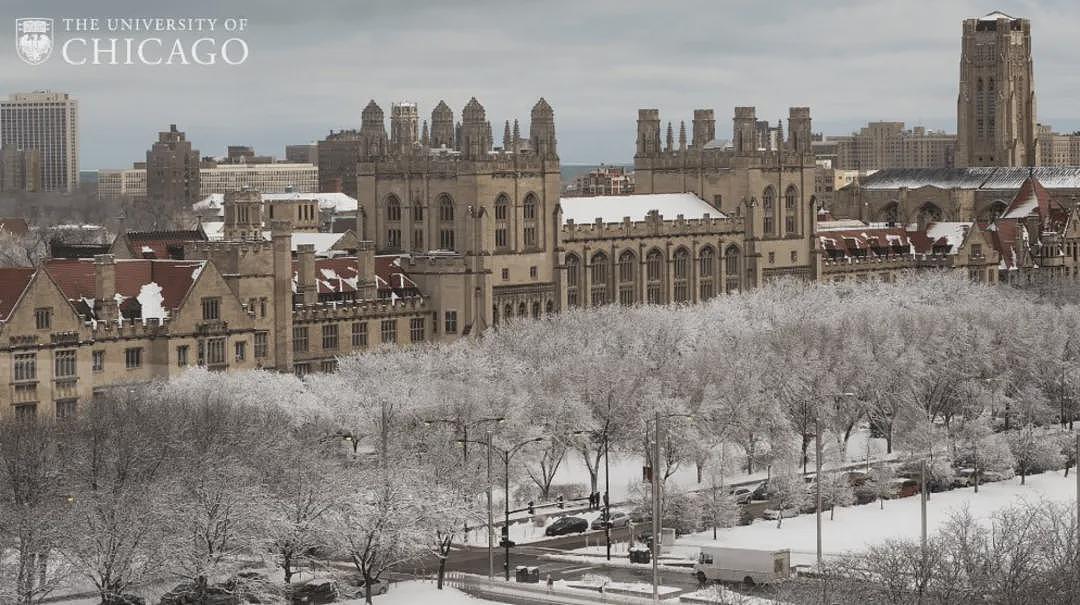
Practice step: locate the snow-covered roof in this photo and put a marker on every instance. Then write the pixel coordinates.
(323, 242)
(613, 208)
(1007, 178)
(847, 223)
(1023, 208)
(337, 202)
(994, 16)
(952, 232)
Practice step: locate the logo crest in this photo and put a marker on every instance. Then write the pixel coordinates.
(34, 39)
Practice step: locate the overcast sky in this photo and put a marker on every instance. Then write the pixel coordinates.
(314, 64)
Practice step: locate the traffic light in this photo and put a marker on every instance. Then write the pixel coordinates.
(505, 532)
(559, 501)
(532, 511)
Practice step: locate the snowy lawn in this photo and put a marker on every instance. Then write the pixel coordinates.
(413, 592)
(856, 527)
(717, 594)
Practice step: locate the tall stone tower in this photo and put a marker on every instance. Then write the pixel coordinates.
(648, 133)
(995, 110)
(542, 130)
(404, 127)
(442, 126)
(243, 215)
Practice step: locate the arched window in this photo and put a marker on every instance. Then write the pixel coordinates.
(573, 280)
(393, 222)
(536, 310)
(549, 308)
(991, 108)
(929, 213)
(681, 269)
(791, 210)
(980, 109)
(599, 277)
(529, 229)
(502, 228)
(890, 213)
(706, 271)
(418, 240)
(627, 286)
(522, 309)
(654, 277)
(508, 312)
(446, 220)
(768, 211)
(732, 281)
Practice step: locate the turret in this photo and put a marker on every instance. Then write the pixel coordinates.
(475, 138)
(799, 133)
(442, 126)
(404, 122)
(542, 130)
(744, 130)
(648, 133)
(374, 143)
(704, 128)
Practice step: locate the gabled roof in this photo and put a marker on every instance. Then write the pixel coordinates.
(13, 282)
(1030, 200)
(939, 235)
(865, 241)
(76, 280)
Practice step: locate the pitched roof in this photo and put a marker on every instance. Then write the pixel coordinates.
(76, 280)
(865, 241)
(13, 282)
(1007, 178)
(1031, 199)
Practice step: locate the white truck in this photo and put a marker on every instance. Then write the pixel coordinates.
(746, 565)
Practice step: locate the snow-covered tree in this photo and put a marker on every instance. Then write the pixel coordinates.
(786, 491)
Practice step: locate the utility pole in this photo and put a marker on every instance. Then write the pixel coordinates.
(607, 493)
(817, 487)
(491, 516)
(1077, 474)
(656, 510)
(922, 505)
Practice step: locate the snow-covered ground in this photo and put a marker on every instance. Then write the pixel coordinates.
(413, 592)
(856, 527)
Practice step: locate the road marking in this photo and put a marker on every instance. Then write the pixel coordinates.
(577, 569)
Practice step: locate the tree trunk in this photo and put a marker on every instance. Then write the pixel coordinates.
(286, 566)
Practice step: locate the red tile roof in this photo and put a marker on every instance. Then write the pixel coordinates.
(868, 242)
(161, 244)
(13, 282)
(76, 279)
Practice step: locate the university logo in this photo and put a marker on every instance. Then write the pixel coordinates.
(34, 39)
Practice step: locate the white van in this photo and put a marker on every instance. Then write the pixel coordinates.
(745, 565)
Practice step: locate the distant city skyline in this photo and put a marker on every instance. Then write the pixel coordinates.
(313, 68)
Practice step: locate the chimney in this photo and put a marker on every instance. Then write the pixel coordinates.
(281, 236)
(365, 271)
(305, 282)
(105, 287)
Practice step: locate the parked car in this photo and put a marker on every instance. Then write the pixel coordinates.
(315, 592)
(904, 487)
(360, 587)
(567, 525)
(743, 493)
(774, 513)
(618, 519)
(964, 477)
(992, 476)
(761, 492)
(857, 478)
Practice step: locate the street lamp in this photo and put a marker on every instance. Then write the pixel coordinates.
(506, 455)
(464, 427)
(656, 504)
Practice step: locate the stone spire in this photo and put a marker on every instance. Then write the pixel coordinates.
(670, 139)
(516, 135)
(374, 141)
(507, 141)
(682, 135)
(425, 140)
(475, 139)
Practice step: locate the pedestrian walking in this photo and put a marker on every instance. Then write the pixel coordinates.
(550, 583)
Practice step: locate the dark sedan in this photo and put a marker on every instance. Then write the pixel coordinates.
(567, 525)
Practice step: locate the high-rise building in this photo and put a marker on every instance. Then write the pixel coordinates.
(172, 170)
(302, 154)
(20, 169)
(995, 110)
(48, 122)
(880, 145)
